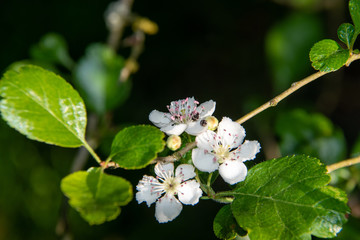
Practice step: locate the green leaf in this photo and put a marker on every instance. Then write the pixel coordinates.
(287, 43)
(96, 195)
(97, 78)
(43, 106)
(52, 48)
(287, 198)
(225, 225)
(354, 8)
(135, 147)
(327, 55)
(346, 33)
(310, 133)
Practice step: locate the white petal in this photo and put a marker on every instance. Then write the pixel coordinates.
(160, 119)
(231, 133)
(167, 209)
(145, 190)
(195, 128)
(164, 170)
(206, 140)
(174, 129)
(185, 172)
(204, 161)
(189, 192)
(206, 108)
(233, 171)
(247, 151)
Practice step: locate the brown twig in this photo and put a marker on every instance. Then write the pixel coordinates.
(295, 86)
(345, 163)
(117, 19)
(273, 102)
(177, 155)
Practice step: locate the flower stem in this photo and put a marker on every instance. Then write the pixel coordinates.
(92, 152)
(224, 197)
(202, 186)
(295, 86)
(209, 180)
(345, 163)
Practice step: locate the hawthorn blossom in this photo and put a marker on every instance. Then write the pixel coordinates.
(184, 115)
(165, 187)
(225, 150)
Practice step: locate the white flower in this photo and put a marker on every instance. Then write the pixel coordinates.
(225, 151)
(164, 188)
(184, 115)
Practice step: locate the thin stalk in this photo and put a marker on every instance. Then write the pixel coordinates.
(92, 152)
(202, 186)
(294, 87)
(345, 163)
(273, 102)
(209, 180)
(177, 155)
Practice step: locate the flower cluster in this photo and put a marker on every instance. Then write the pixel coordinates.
(224, 150)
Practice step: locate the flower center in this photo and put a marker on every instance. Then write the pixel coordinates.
(171, 185)
(222, 152)
(184, 111)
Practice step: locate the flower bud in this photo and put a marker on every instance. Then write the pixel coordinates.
(173, 142)
(212, 123)
(145, 25)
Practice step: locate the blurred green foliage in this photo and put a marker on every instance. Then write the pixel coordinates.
(52, 49)
(288, 43)
(312, 134)
(204, 49)
(30, 196)
(97, 78)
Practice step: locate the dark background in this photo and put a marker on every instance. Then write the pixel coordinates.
(207, 49)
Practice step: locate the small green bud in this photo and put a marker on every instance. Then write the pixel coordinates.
(173, 142)
(212, 122)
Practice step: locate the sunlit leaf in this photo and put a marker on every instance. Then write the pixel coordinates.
(96, 195)
(135, 147)
(327, 55)
(43, 106)
(288, 198)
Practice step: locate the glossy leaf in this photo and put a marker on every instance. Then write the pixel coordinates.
(96, 195)
(225, 225)
(310, 133)
(354, 8)
(288, 198)
(43, 106)
(97, 77)
(346, 33)
(327, 55)
(52, 48)
(135, 147)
